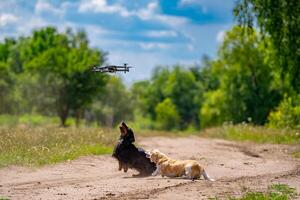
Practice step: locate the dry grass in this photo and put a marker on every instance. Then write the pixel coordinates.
(258, 134)
(44, 145)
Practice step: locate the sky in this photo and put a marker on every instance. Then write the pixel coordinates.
(142, 33)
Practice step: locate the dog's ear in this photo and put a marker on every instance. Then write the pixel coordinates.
(124, 125)
(123, 129)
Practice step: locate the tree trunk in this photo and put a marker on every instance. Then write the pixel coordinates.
(78, 116)
(63, 114)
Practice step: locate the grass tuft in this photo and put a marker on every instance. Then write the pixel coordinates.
(296, 154)
(274, 192)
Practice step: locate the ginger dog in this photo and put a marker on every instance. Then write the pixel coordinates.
(176, 168)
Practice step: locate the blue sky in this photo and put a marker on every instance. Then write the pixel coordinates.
(143, 33)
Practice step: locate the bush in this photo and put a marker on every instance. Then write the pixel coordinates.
(167, 116)
(287, 114)
(212, 111)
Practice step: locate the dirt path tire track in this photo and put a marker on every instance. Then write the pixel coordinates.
(237, 167)
(194, 185)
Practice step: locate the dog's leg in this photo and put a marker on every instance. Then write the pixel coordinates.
(120, 166)
(125, 167)
(157, 171)
(188, 171)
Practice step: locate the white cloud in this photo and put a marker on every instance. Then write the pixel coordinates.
(102, 7)
(162, 33)
(153, 45)
(43, 6)
(220, 36)
(150, 12)
(7, 18)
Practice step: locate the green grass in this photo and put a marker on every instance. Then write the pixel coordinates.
(296, 154)
(28, 120)
(274, 192)
(258, 134)
(45, 145)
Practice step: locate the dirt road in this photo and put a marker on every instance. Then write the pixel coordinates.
(237, 168)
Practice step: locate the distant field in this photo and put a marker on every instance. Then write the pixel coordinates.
(38, 144)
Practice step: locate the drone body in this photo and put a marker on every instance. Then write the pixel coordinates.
(111, 68)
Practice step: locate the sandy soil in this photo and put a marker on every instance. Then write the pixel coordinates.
(237, 168)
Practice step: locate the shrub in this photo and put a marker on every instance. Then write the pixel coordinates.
(287, 114)
(167, 116)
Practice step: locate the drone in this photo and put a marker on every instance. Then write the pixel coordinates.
(112, 68)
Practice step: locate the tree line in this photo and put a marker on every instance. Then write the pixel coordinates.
(253, 79)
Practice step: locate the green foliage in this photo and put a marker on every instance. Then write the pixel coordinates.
(246, 91)
(47, 144)
(65, 60)
(167, 117)
(154, 92)
(287, 114)
(49, 72)
(181, 88)
(212, 112)
(6, 87)
(279, 19)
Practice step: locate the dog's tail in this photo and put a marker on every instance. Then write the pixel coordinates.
(206, 176)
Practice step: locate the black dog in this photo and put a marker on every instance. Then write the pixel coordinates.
(129, 156)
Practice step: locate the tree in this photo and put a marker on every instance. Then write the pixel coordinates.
(279, 19)
(63, 63)
(212, 111)
(287, 114)
(154, 92)
(7, 82)
(6, 87)
(181, 88)
(249, 81)
(246, 90)
(167, 117)
(138, 92)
